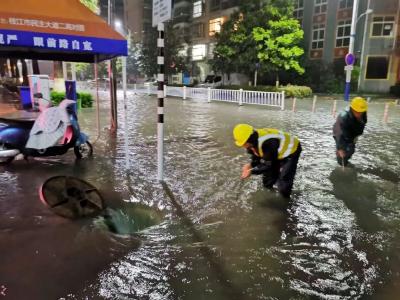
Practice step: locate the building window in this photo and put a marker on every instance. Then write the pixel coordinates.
(197, 9)
(377, 67)
(215, 5)
(318, 36)
(343, 4)
(298, 9)
(215, 26)
(211, 48)
(343, 34)
(199, 52)
(383, 26)
(320, 6)
(198, 30)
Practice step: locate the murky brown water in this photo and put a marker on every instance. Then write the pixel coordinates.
(219, 238)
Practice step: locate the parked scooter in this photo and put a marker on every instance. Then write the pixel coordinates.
(55, 131)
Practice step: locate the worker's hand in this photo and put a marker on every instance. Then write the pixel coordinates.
(246, 167)
(246, 171)
(341, 153)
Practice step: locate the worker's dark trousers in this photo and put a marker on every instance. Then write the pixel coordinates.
(283, 174)
(349, 149)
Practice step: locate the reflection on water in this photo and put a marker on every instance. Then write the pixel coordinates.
(222, 238)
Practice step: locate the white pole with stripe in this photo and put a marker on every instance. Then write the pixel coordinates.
(160, 109)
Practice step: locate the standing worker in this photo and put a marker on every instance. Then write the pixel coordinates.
(274, 154)
(348, 127)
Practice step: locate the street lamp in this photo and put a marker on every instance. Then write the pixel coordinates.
(350, 56)
(118, 24)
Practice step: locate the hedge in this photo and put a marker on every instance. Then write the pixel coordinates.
(86, 99)
(290, 90)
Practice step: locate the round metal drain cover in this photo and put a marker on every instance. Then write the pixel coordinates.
(71, 197)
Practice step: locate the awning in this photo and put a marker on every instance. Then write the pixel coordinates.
(62, 30)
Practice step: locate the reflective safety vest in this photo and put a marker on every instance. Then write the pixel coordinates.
(287, 144)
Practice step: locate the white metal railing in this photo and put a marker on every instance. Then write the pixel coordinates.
(276, 99)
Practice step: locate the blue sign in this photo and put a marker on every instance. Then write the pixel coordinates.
(61, 42)
(350, 59)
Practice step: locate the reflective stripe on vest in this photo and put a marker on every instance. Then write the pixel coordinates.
(287, 144)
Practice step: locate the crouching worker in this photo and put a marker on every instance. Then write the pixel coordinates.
(348, 127)
(274, 154)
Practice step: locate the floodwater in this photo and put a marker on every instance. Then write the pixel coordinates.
(213, 236)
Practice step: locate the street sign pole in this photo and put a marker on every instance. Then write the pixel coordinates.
(160, 109)
(161, 13)
(350, 55)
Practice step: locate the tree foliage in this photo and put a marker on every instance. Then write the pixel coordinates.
(259, 32)
(91, 4)
(174, 59)
(278, 41)
(235, 50)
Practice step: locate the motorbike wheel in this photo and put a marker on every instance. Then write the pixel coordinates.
(83, 150)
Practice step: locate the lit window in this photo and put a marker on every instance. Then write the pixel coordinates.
(320, 6)
(343, 34)
(197, 9)
(343, 4)
(377, 67)
(318, 36)
(215, 26)
(382, 26)
(298, 9)
(198, 52)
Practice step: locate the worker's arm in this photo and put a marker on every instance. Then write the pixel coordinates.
(255, 160)
(270, 150)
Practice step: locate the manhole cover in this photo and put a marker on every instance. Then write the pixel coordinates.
(71, 197)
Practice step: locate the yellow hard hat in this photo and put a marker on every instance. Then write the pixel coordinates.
(359, 104)
(241, 134)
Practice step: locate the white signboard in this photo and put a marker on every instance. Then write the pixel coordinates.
(161, 11)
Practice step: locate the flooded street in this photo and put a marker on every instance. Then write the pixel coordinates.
(215, 237)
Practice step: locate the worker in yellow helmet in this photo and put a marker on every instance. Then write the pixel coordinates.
(348, 127)
(274, 154)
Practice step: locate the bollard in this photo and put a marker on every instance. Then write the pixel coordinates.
(294, 104)
(135, 87)
(165, 91)
(334, 108)
(283, 100)
(314, 103)
(241, 97)
(386, 113)
(397, 102)
(368, 99)
(148, 89)
(184, 92)
(209, 95)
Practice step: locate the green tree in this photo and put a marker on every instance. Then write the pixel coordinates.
(236, 50)
(278, 39)
(259, 32)
(91, 4)
(174, 60)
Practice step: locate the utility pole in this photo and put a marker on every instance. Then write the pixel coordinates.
(111, 72)
(350, 55)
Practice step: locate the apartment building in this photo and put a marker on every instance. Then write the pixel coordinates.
(197, 22)
(327, 24)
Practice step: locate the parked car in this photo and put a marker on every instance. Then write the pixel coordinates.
(211, 81)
